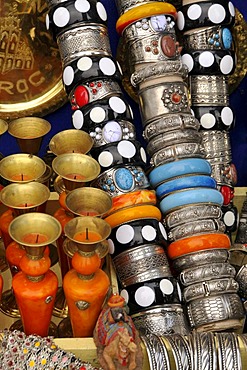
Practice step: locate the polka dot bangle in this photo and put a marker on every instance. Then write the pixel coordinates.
(206, 14)
(220, 118)
(179, 168)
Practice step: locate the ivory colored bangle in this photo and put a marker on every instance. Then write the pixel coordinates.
(198, 243)
(133, 198)
(143, 11)
(133, 213)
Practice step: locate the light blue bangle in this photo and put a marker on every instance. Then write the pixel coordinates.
(191, 196)
(185, 182)
(179, 168)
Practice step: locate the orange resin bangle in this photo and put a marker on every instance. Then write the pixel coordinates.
(143, 11)
(137, 197)
(197, 243)
(133, 213)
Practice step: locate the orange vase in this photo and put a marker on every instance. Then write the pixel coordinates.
(5, 219)
(85, 287)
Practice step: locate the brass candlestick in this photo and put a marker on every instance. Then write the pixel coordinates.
(75, 169)
(71, 141)
(29, 133)
(20, 168)
(35, 286)
(21, 198)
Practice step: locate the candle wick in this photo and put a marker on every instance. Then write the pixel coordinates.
(22, 177)
(37, 238)
(73, 151)
(75, 177)
(87, 213)
(87, 233)
(25, 204)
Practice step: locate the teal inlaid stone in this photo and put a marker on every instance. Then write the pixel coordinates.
(226, 38)
(124, 179)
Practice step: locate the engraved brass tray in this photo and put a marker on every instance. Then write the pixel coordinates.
(30, 64)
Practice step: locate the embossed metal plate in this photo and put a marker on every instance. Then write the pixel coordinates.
(30, 63)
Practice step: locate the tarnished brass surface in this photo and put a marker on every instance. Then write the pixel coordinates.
(30, 63)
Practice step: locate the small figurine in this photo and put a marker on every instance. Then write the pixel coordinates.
(116, 338)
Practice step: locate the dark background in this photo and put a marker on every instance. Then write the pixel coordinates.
(61, 118)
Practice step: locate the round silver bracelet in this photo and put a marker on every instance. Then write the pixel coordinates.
(197, 274)
(241, 278)
(168, 319)
(209, 310)
(209, 90)
(160, 352)
(170, 122)
(180, 350)
(209, 38)
(210, 288)
(124, 6)
(200, 258)
(82, 41)
(228, 351)
(161, 141)
(195, 228)
(204, 350)
(192, 213)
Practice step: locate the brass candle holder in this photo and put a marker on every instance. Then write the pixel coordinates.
(29, 133)
(21, 198)
(35, 286)
(75, 169)
(3, 126)
(85, 285)
(71, 141)
(21, 168)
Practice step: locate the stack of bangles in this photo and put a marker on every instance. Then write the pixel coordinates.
(190, 154)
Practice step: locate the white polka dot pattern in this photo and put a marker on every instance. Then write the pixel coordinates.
(226, 64)
(231, 9)
(229, 218)
(125, 295)
(143, 155)
(47, 21)
(144, 296)
(148, 232)
(125, 234)
(188, 61)
(117, 104)
(180, 21)
(107, 66)
(84, 63)
(179, 292)
(163, 230)
(77, 119)
(216, 13)
(97, 114)
(61, 17)
(194, 11)
(105, 159)
(227, 116)
(82, 6)
(206, 59)
(126, 149)
(101, 11)
(166, 286)
(68, 75)
(207, 120)
(111, 246)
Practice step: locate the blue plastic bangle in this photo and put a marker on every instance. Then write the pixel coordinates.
(182, 183)
(191, 196)
(179, 168)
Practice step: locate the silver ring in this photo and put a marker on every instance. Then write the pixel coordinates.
(209, 90)
(111, 181)
(209, 38)
(160, 69)
(168, 319)
(85, 40)
(161, 141)
(176, 152)
(200, 258)
(170, 122)
(210, 288)
(140, 264)
(163, 98)
(192, 213)
(204, 311)
(197, 274)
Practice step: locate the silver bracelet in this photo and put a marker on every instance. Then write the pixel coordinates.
(176, 152)
(180, 351)
(210, 288)
(215, 140)
(167, 319)
(163, 98)
(195, 228)
(217, 270)
(204, 311)
(151, 353)
(170, 122)
(200, 258)
(160, 69)
(88, 40)
(223, 174)
(124, 6)
(241, 278)
(192, 213)
(204, 351)
(160, 352)
(140, 264)
(210, 38)
(228, 351)
(161, 141)
(209, 90)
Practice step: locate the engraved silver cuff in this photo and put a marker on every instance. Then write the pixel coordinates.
(157, 352)
(206, 272)
(216, 142)
(210, 38)
(175, 152)
(125, 5)
(181, 351)
(168, 319)
(210, 288)
(200, 258)
(195, 228)
(140, 264)
(222, 173)
(170, 122)
(156, 70)
(192, 213)
(161, 141)
(209, 90)
(241, 278)
(163, 98)
(204, 350)
(209, 310)
(117, 181)
(82, 41)
(228, 351)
